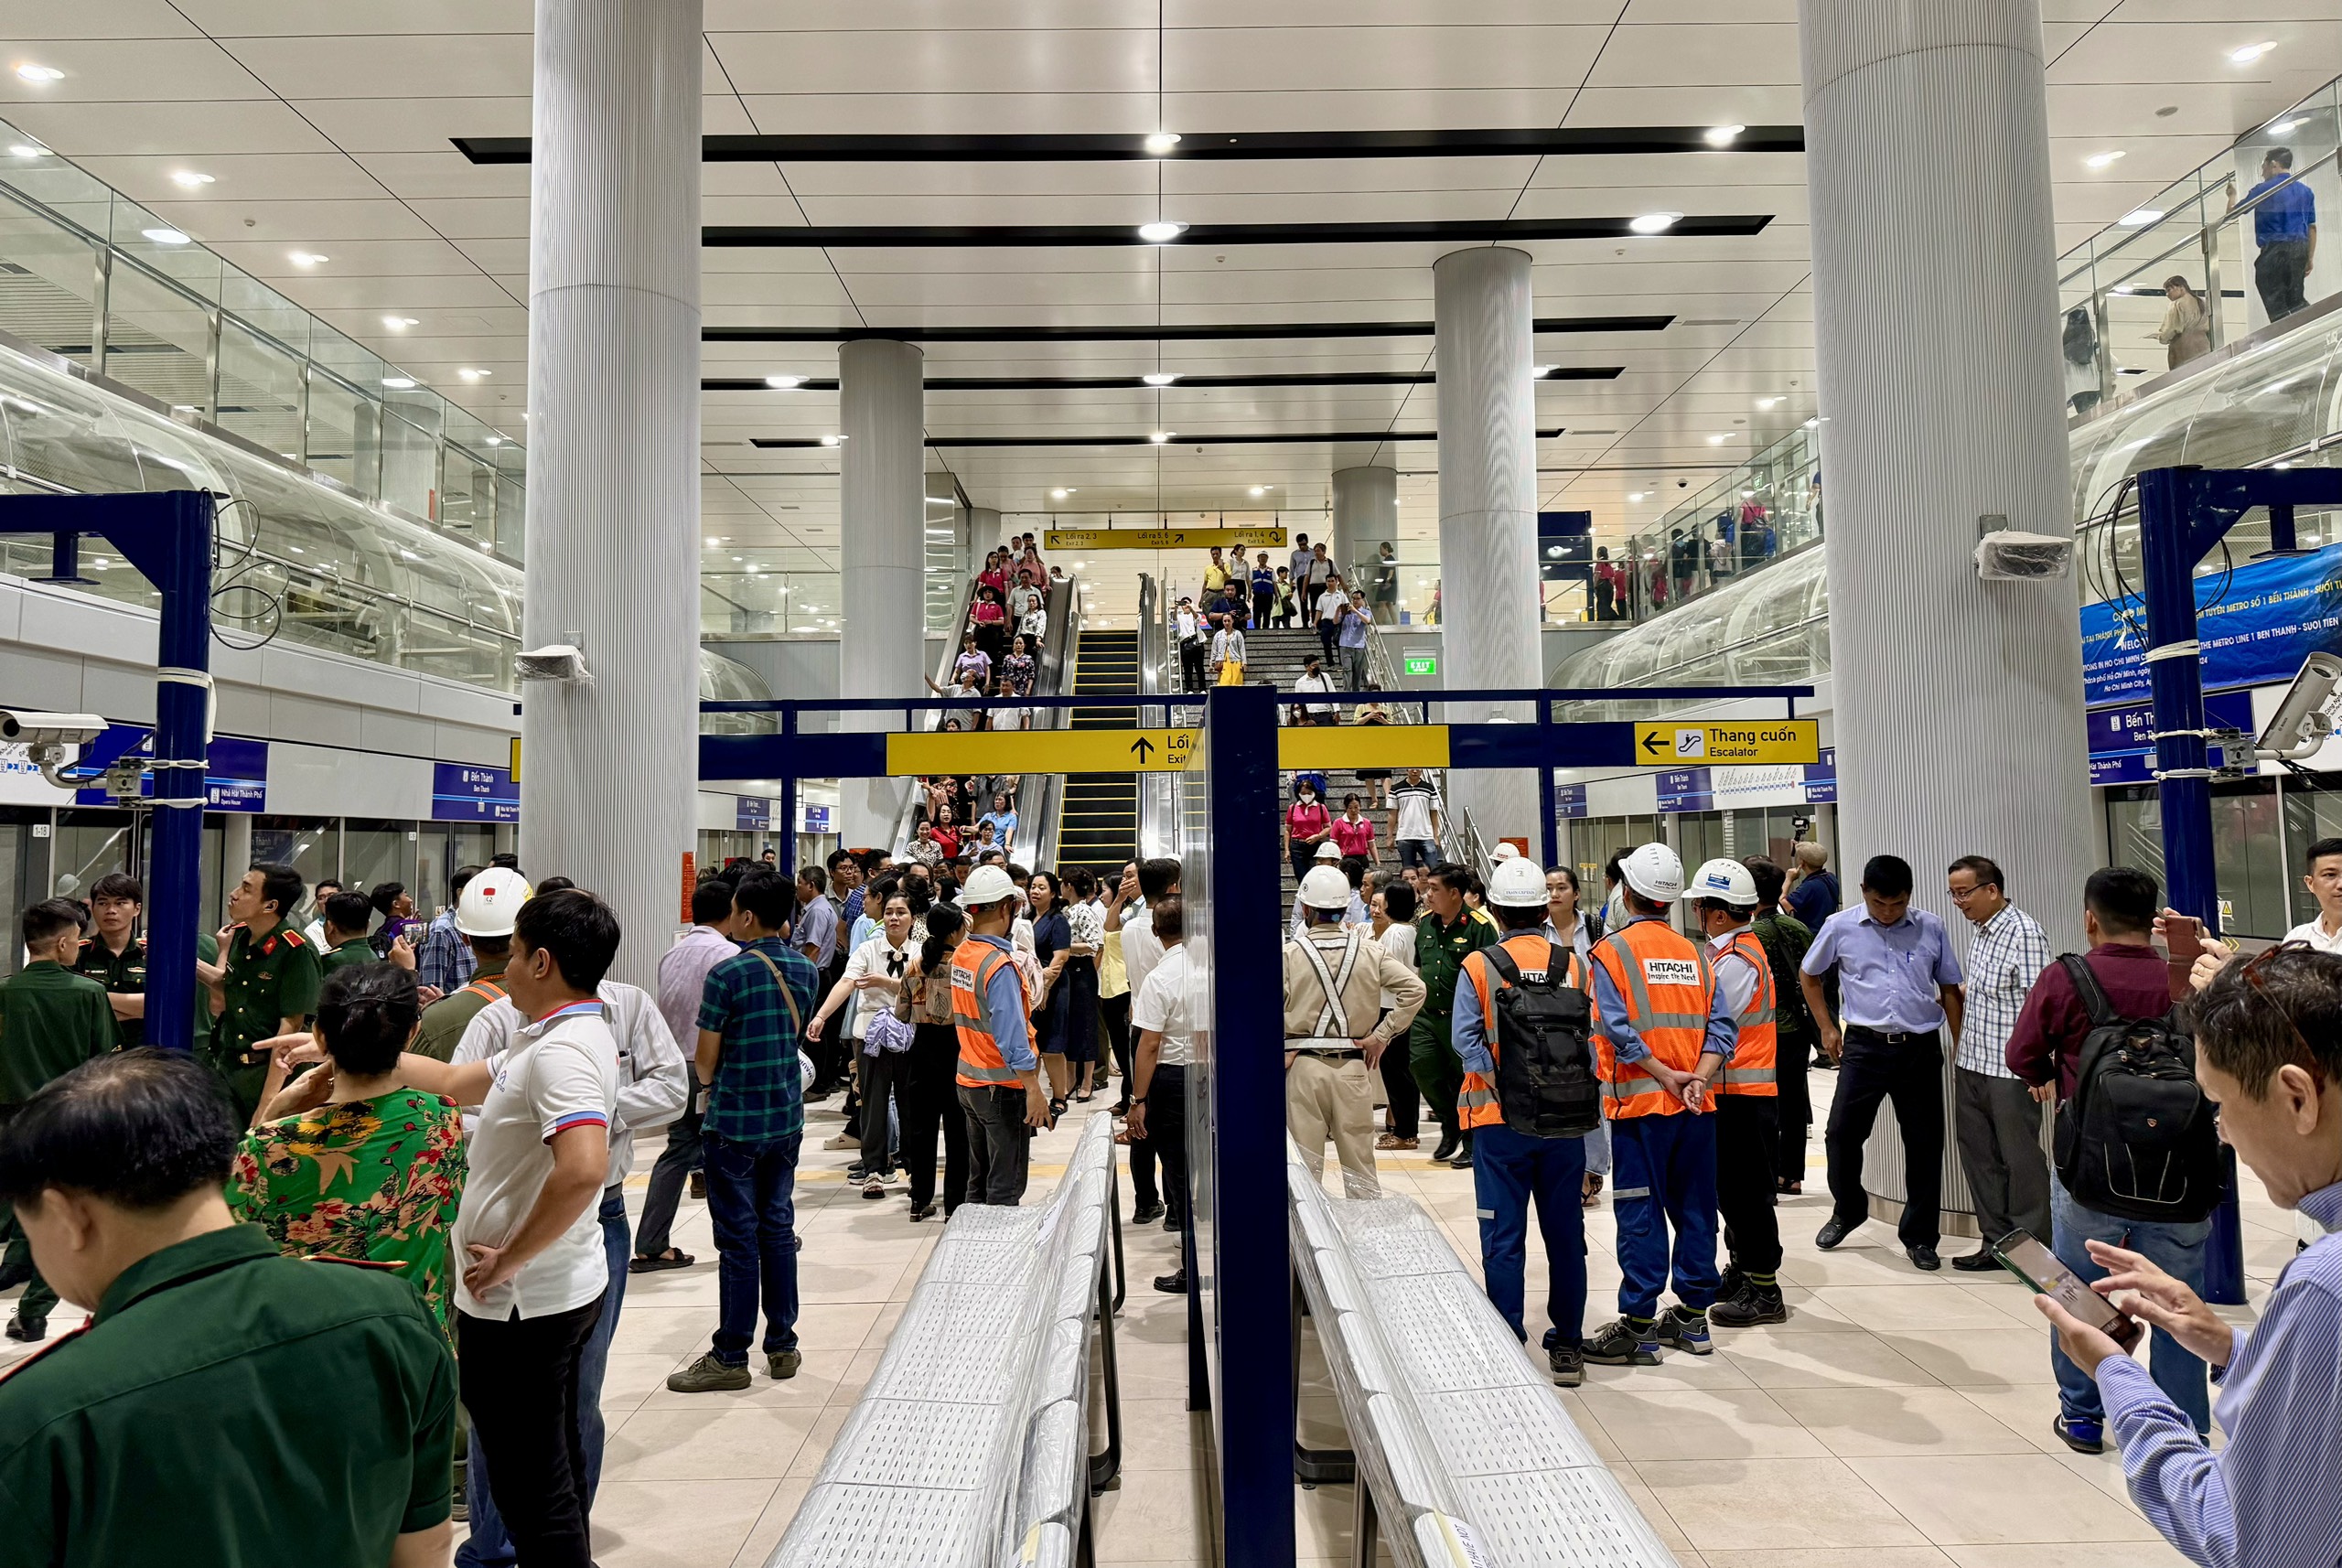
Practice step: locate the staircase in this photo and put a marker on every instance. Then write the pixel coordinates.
(1099, 826)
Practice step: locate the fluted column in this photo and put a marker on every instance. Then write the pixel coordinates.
(1938, 418)
(1366, 517)
(881, 511)
(607, 786)
(1483, 315)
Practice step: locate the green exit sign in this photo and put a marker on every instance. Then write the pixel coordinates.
(1422, 664)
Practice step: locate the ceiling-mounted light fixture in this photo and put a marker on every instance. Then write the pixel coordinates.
(1542, 372)
(1160, 378)
(1162, 231)
(1654, 222)
(166, 236)
(40, 73)
(2101, 160)
(2140, 217)
(305, 257)
(1769, 403)
(1722, 135)
(399, 383)
(398, 323)
(784, 384)
(470, 374)
(1162, 142)
(1161, 436)
(1058, 495)
(2245, 55)
(25, 150)
(188, 180)
(832, 440)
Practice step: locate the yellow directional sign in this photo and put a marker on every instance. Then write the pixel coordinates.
(1041, 751)
(1363, 745)
(1163, 538)
(1676, 743)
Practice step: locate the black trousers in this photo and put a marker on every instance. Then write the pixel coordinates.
(1116, 1013)
(1748, 1153)
(1191, 665)
(1327, 631)
(1399, 1088)
(1167, 1132)
(677, 1160)
(927, 1096)
(882, 1081)
(2279, 272)
(1909, 1071)
(1792, 1062)
(518, 1378)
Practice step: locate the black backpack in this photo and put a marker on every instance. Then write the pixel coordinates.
(2138, 1139)
(1545, 1082)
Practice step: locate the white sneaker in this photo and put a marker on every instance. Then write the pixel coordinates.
(842, 1140)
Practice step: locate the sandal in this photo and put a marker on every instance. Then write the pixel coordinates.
(1057, 1109)
(1392, 1140)
(1592, 1196)
(655, 1262)
(1793, 1188)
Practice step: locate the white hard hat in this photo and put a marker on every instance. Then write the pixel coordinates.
(490, 901)
(1655, 872)
(1726, 881)
(1326, 888)
(1329, 849)
(1505, 850)
(990, 884)
(1517, 884)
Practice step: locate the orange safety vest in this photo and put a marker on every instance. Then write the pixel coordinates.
(486, 990)
(974, 963)
(1668, 987)
(1476, 1104)
(1751, 1070)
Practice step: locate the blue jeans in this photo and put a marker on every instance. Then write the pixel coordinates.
(1509, 1169)
(2178, 1250)
(488, 1545)
(1664, 1165)
(752, 1204)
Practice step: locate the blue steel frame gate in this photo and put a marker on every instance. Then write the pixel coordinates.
(168, 536)
(2184, 513)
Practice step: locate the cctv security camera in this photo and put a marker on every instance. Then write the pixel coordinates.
(39, 730)
(2301, 723)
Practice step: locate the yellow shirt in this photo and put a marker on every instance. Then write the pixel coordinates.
(1113, 978)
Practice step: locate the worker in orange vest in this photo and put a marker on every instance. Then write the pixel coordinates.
(1000, 1085)
(1524, 1023)
(1749, 1129)
(1662, 1036)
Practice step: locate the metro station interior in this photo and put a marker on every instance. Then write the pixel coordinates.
(665, 444)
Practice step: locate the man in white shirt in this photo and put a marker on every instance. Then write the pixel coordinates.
(1314, 680)
(1161, 1016)
(682, 976)
(1414, 820)
(2324, 881)
(1333, 602)
(1143, 951)
(1188, 627)
(527, 1239)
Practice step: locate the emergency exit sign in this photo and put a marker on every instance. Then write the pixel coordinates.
(1422, 664)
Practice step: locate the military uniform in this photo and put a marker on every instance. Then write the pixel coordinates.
(267, 981)
(1440, 952)
(123, 972)
(51, 1021)
(444, 1021)
(330, 1396)
(357, 949)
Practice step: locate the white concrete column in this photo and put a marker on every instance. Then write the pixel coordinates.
(1366, 517)
(1937, 418)
(607, 782)
(882, 508)
(1483, 314)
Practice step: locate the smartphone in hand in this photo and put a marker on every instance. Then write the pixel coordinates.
(2022, 1256)
(2183, 935)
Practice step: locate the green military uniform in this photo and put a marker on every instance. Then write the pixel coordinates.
(267, 981)
(51, 1021)
(1440, 952)
(124, 972)
(357, 949)
(228, 1407)
(444, 1021)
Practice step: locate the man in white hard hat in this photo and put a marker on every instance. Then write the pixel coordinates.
(1334, 976)
(1001, 1091)
(1522, 1025)
(1748, 1130)
(1662, 1036)
(484, 912)
(1329, 853)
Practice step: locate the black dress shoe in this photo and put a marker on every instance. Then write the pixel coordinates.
(1446, 1150)
(1146, 1214)
(1835, 1231)
(1976, 1262)
(1923, 1257)
(1171, 1283)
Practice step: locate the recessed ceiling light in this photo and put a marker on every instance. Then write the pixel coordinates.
(2101, 160)
(1160, 436)
(189, 179)
(1259, 490)
(496, 441)
(784, 384)
(25, 150)
(399, 383)
(1160, 378)
(1161, 231)
(832, 440)
(1719, 440)
(400, 323)
(1722, 135)
(1813, 422)
(32, 72)
(710, 541)
(2244, 55)
(1060, 495)
(1541, 372)
(1769, 403)
(305, 257)
(470, 374)
(2139, 218)
(1654, 222)
(1162, 142)
(1634, 496)
(166, 236)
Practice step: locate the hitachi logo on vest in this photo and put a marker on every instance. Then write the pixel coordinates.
(1671, 972)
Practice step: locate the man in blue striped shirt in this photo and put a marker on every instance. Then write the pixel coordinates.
(2269, 1049)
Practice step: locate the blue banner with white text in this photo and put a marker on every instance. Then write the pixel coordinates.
(2256, 626)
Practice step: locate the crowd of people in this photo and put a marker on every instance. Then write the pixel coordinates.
(1307, 590)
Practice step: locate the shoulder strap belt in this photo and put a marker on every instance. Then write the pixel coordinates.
(1333, 1013)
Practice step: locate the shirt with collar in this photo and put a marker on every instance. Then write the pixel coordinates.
(757, 1095)
(1375, 973)
(2008, 954)
(2313, 933)
(817, 928)
(1611, 1016)
(1889, 977)
(654, 1079)
(1004, 1010)
(2046, 1040)
(2266, 1499)
(1736, 976)
(683, 978)
(443, 959)
(51, 1021)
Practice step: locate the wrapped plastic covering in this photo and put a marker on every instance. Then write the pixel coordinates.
(1472, 1458)
(2008, 555)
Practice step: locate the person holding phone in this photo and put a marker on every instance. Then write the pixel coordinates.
(2269, 1049)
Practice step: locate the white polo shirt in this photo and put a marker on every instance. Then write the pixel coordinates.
(2313, 933)
(561, 1071)
(654, 1080)
(1164, 1006)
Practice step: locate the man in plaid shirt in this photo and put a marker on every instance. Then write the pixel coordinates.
(1998, 1115)
(444, 961)
(751, 1017)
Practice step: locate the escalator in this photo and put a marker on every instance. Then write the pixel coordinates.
(1098, 826)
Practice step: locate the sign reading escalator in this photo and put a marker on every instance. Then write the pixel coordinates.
(1726, 745)
(1163, 539)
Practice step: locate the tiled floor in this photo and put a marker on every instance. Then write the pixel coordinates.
(1898, 1420)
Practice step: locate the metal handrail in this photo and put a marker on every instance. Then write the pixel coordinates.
(1058, 640)
(906, 816)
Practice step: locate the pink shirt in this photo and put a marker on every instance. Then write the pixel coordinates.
(1305, 821)
(1354, 837)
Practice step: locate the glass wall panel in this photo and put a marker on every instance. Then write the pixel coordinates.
(2247, 845)
(2312, 813)
(49, 283)
(345, 438)
(89, 845)
(260, 391)
(373, 853)
(24, 876)
(158, 341)
(309, 844)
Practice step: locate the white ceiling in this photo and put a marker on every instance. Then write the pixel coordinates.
(328, 127)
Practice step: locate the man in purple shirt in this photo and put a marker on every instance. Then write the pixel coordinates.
(1899, 985)
(682, 979)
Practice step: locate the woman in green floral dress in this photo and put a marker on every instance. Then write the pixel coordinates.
(347, 1162)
